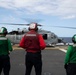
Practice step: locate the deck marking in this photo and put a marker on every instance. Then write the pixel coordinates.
(63, 50)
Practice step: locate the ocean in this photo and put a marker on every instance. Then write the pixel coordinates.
(66, 39)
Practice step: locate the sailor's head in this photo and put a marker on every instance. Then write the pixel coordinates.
(33, 26)
(74, 38)
(3, 31)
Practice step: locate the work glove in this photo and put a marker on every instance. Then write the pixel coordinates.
(65, 66)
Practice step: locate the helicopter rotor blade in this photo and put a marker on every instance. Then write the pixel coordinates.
(19, 24)
(13, 24)
(65, 27)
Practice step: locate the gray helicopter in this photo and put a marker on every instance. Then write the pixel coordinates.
(50, 38)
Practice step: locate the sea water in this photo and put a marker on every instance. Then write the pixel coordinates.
(67, 39)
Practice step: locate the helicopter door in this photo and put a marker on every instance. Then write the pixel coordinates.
(45, 36)
(49, 38)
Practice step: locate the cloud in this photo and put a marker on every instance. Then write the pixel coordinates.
(69, 17)
(48, 7)
(10, 18)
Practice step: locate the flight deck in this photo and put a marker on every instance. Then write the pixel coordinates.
(53, 61)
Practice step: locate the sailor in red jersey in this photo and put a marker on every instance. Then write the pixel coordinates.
(33, 43)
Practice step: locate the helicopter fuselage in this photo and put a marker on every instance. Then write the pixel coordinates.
(49, 37)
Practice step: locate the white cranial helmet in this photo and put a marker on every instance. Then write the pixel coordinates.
(33, 26)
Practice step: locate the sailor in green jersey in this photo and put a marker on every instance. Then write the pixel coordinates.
(5, 48)
(70, 58)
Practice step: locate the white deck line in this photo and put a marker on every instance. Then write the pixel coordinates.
(63, 50)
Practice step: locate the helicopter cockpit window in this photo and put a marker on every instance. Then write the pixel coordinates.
(45, 36)
(52, 35)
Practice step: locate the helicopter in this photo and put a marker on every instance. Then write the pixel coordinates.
(50, 38)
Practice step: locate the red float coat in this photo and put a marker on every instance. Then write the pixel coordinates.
(41, 44)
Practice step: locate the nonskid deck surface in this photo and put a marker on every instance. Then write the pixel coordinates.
(53, 62)
(52, 57)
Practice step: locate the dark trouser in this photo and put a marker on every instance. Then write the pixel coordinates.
(71, 69)
(33, 59)
(4, 64)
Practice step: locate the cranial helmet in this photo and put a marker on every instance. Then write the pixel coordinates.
(74, 39)
(33, 26)
(3, 30)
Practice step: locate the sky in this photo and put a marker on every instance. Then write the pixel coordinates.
(48, 13)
